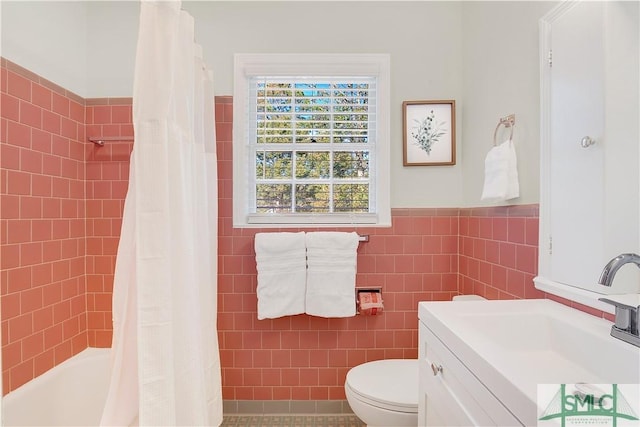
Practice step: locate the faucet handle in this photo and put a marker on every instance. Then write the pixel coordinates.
(624, 313)
(626, 322)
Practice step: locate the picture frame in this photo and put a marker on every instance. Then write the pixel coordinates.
(429, 133)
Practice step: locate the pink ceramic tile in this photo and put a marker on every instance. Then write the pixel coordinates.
(10, 208)
(473, 227)
(18, 134)
(30, 115)
(18, 86)
(21, 374)
(442, 263)
(516, 233)
(51, 122)
(515, 283)
(500, 228)
(508, 255)
(101, 114)
(10, 157)
(403, 264)
(531, 231)
(121, 114)
(428, 254)
(76, 111)
(480, 249)
(19, 231)
(51, 165)
(10, 107)
(41, 96)
(526, 259)
(223, 131)
(485, 230)
(31, 161)
(60, 104)
(499, 277)
(442, 225)
(492, 251)
(43, 362)
(69, 128)
(40, 141)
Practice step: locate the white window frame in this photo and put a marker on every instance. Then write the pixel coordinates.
(247, 66)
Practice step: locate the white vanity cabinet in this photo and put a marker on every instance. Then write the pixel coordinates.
(481, 363)
(450, 394)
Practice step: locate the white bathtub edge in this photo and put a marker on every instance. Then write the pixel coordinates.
(65, 379)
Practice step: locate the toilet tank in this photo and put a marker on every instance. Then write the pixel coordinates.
(467, 298)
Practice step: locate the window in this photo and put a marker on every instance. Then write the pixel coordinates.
(311, 143)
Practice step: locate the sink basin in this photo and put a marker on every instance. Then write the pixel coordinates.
(576, 351)
(514, 345)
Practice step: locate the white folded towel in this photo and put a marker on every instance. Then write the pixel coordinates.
(281, 265)
(501, 173)
(331, 274)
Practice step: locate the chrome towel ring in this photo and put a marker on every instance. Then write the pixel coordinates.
(508, 122)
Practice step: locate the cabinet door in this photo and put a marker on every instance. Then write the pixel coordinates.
(453, 396)
(576, 172)
(443, 407)
(589, 202)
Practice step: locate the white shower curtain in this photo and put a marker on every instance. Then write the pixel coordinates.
(165, 357)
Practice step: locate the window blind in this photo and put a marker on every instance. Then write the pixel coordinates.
(311, 143)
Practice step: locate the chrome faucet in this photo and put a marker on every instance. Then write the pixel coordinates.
(612, 267)
(627, 316)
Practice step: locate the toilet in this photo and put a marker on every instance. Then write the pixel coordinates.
(385, 392)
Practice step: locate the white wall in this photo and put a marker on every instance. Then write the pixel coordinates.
(482, 54)
(501, 77)
(48, 38)
(112, 34)
(423, 38)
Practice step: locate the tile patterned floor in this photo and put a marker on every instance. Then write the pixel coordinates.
(342, 420)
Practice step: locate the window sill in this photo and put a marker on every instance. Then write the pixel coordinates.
(306, 220)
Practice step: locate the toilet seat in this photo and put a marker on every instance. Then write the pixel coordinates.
(389, 384)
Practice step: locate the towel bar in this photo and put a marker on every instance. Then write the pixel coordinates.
(508, 122)
(100, 140)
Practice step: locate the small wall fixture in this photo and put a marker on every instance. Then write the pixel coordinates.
(100, 140)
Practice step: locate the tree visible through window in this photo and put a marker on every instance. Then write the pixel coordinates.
(312, 145)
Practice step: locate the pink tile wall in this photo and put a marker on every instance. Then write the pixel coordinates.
(42, 220)
(62, 203)
(298, 357)
(106, 188)
(304, 357)
(499, 254)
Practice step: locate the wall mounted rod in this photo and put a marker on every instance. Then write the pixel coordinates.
(100, 140)
(508, 122)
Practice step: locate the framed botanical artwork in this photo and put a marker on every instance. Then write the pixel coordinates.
(429, 129)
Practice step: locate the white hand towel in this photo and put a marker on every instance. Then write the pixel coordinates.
(331, 274)
(501, 173)
(282, 268)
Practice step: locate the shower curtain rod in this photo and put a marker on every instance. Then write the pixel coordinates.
(100, 140)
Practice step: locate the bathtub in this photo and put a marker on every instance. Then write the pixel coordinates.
(70, 394)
